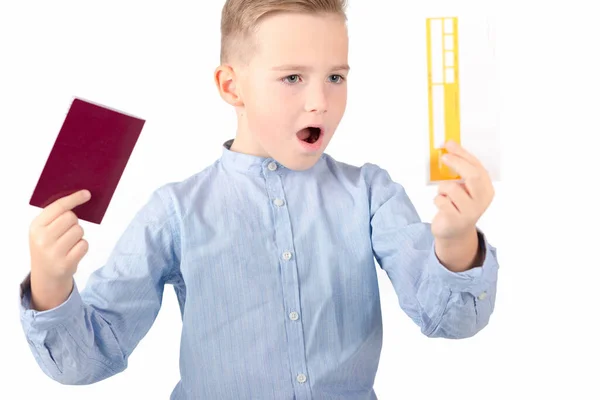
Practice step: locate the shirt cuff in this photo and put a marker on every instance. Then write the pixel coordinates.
(42, 320)
(477, 280)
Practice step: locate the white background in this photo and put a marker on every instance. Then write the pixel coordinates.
(156, 61)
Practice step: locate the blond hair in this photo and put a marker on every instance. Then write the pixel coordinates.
(240, 18)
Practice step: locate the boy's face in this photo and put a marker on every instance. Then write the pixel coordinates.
(295, 79)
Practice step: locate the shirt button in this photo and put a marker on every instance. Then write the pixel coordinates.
(293, 315)
(482, 296)
(278, 202)
(301, 378)
(287, 255)
(272, 166)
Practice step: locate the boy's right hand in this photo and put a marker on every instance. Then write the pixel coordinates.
(56, 247)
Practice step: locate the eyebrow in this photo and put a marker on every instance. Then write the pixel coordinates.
(296, 67)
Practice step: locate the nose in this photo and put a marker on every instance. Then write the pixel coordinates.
(316, 99)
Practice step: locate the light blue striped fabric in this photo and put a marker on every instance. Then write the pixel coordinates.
(276, 279)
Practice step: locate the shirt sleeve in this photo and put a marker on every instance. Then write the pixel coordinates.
(441, 302)
(90, 336)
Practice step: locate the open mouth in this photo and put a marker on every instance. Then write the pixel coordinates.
(310, 134)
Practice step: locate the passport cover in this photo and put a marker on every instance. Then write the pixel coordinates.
(91, 152)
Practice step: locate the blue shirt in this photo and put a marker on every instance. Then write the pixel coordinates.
(276, 279)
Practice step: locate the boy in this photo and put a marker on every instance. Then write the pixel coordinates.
(271, 248)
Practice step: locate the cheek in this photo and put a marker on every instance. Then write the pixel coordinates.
(341, 97)
(270, 107)
(264, 99)
(264, 119)
(337, 105)
(281, 99)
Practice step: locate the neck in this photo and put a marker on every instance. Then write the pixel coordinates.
(244, 142)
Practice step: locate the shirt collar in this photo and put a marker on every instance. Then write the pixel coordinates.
(247, 163)
(255, 165)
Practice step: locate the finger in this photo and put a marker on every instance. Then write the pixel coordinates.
(463, 185)
(66, 242)
(457, 195)
(62, 224)
(468, 172)
(62, 205)
(456, 149)
(75, 255)
(443, 203)
(465, 188)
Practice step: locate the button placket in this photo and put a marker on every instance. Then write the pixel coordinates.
(288, 268)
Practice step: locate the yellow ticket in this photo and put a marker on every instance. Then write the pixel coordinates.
(444, 92)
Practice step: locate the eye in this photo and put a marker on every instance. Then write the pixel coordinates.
(336, 78)
(291, 79)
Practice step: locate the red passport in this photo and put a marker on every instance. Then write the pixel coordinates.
(91, 152)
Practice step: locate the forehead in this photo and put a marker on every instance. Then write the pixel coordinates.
(300, 38)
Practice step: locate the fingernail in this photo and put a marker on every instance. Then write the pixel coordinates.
(86, 194)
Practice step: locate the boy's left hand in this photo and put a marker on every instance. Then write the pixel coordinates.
(461, 203)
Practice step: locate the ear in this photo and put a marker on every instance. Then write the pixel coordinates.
(227, 83)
